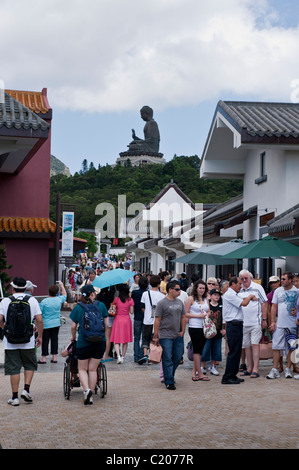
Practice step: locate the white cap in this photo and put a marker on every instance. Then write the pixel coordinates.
(29, 285)
(274, 279)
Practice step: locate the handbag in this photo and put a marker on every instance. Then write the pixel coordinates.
(155, 353)
(209, 328)
(112, 310)
(266, 346)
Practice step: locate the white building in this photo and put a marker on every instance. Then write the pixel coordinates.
(259, 143)
(160, 232)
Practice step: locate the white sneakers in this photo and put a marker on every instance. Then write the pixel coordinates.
(214, 371)
(120, 360)
(26, 397)
(13, 401)
(288, 373)
(88, 399)
(274, 374)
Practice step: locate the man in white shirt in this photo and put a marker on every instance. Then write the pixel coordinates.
(148, 302)
(22, 354)
(284, 307)
(233, 317)
(255, 318)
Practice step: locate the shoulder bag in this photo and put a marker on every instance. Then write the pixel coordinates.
(209, 328)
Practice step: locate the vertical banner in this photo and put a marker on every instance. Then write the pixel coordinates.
(67, 234)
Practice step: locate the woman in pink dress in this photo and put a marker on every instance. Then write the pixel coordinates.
(122, 332)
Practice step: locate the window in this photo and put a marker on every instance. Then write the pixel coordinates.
(263, 176)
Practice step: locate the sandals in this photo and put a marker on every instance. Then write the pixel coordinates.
(245, 373)
(197, 379)
(254, 375)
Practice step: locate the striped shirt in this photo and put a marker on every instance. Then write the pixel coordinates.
(252, 312)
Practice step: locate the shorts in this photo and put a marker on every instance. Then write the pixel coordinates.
(147, 336)
(212, 350)
(92, 351)
(251, 335)
(279, 340)
(15, 359)
(110, 321)
(198, 340)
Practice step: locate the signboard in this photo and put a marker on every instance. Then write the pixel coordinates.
(67, 234)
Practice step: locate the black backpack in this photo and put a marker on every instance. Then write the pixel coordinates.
(92, 325)
(18, 327)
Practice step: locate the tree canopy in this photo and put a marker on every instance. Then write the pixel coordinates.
(90, 186)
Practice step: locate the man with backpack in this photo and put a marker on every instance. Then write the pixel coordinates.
(17, 316)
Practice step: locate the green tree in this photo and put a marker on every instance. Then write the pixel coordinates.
(4, 278)
(92, 243)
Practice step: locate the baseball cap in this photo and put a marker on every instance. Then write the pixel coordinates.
(273, 279)
(87, 290)
(215, 291)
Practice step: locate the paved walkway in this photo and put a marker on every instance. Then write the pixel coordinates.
(139, 413)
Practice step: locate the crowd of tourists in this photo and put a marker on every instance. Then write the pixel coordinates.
(156, 310)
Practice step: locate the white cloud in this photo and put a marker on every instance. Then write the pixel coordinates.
(115, 55)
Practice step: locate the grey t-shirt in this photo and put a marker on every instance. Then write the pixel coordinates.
(170, 312)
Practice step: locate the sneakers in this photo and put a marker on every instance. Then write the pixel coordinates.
(288, 373)
(203, 369)
(26, 396)
(214, 371)
(13, 401)
(171, 387)
(273, 374)
(120, 360)
(296, 377)
(88, 400)
(143, 360)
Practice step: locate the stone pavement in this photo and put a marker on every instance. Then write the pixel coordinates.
(138, 412)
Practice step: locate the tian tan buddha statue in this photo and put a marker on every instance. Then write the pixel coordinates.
(150, 143)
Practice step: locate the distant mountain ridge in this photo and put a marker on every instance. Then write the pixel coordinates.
(58, 167)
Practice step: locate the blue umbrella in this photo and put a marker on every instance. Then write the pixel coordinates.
(112, 278)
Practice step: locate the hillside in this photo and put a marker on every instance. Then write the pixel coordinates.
(89, 188)
(58, 167)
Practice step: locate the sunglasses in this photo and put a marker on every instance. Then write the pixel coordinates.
(211, 283)
(175, 288)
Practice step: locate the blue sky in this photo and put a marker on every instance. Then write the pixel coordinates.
(102, 61)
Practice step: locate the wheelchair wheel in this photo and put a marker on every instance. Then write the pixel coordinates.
(102, 379)
(67, 380)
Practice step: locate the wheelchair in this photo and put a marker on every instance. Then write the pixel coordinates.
(71, 378)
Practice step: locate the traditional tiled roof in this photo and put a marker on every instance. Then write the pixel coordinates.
(14, 114)
(264, 119)
(284, 221)
(26, 224)
(34, 100)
